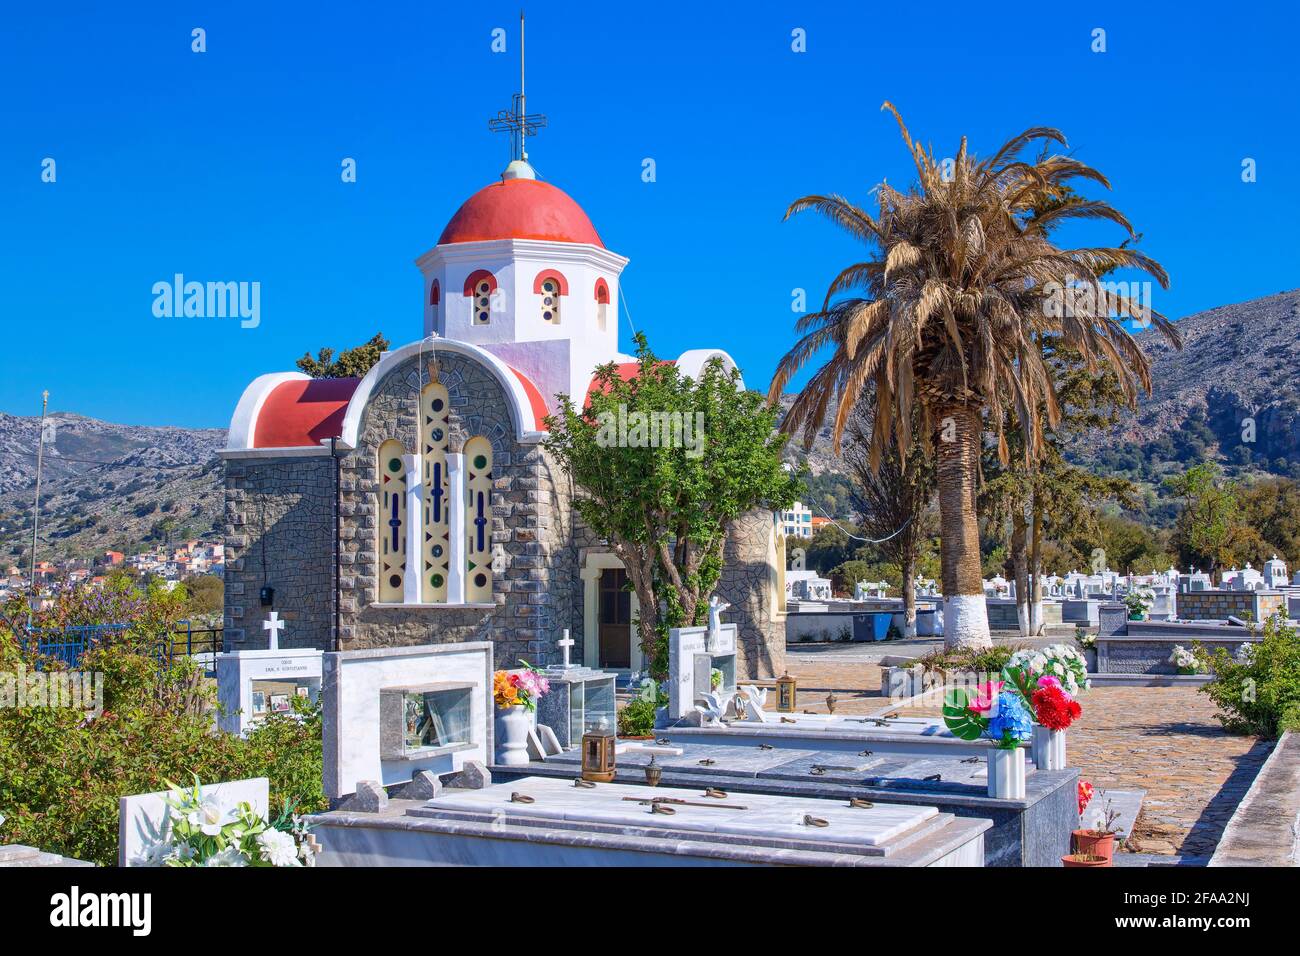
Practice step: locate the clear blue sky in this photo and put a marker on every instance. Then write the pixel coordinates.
(225, 165)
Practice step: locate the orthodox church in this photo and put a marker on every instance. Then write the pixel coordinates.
(416, 505)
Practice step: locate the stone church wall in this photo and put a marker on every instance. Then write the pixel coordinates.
(527, 523)
(279, 511)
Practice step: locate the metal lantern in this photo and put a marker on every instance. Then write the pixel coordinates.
(785, 687)
(598, 753)
(653, 772)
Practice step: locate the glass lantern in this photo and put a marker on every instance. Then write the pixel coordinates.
(785, 690)
(598, 753)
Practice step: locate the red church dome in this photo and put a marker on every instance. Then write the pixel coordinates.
(520, 209)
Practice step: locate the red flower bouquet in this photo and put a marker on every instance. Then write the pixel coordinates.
(1054, 708)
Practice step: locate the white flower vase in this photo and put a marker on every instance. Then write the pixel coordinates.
(1007, 773)
(512, 726)
(1049, 748)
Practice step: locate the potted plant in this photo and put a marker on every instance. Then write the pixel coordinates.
(997, 714)
(1186, 660)
(1084, 859)
(1139, 602)
(515, 694)
(715, 679)
(1098, 841)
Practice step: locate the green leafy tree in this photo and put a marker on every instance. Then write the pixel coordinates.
(1045, 499)
(351, 363)
(1209, 522)
(1130, 546)
(1272, 509)
(665, 506)
(206, 594)
(828, 548)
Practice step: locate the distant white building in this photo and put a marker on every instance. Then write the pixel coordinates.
(796, 520)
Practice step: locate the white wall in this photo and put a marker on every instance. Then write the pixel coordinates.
(352, 682)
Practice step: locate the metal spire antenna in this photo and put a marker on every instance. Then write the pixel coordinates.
(517, 121)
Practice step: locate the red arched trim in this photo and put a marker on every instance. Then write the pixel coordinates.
(477, 275)
(435, 293)
(602, 292)
(551, 274)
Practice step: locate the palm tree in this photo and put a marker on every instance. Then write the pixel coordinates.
(962, 288)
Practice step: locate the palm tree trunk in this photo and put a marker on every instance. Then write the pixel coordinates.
(965, 615)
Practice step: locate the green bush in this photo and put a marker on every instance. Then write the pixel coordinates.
(62, 772)
(1258, 693)
(990, 660)
(637, 718)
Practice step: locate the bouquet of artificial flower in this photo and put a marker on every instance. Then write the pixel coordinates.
(992, 712)
(1084, 795)
(1061, 661)
(1045, 696)
(1053, 707)
(1140, 600)
(524, 687)
(1186, 661)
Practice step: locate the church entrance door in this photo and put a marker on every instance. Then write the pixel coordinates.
(615, 619)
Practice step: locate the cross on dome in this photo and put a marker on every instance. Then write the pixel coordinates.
(518, 122)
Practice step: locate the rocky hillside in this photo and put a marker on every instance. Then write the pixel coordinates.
(106, 486)
(1235, 373)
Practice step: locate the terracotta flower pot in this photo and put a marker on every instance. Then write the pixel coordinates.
(1083, 859)
(1094, 843)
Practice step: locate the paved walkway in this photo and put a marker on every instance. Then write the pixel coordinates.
(1163, 740)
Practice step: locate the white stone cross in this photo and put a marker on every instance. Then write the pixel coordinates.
(566, 642)
(275, 626)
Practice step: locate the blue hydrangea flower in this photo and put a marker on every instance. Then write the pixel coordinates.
(1011, 719)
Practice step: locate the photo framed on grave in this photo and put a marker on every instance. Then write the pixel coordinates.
(302, 690)
(259, 702)
(280, 704)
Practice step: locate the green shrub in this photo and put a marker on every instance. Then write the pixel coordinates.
(62, 772)
(637, 718)
(1258, 693)
(990, 661)
(1291, 719)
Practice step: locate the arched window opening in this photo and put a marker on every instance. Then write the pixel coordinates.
(392, 521)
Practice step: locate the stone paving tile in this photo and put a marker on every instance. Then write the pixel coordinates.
(1165, 740)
